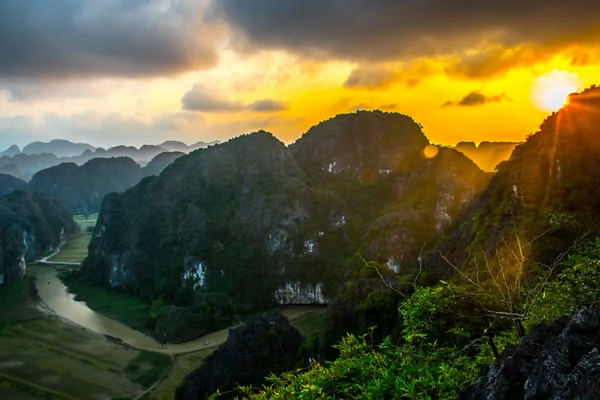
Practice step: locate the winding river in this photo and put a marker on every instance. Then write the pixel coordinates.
(55, 296)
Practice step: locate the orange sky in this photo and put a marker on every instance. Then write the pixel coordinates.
(504, 97)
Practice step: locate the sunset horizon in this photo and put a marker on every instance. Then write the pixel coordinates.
(119, 73)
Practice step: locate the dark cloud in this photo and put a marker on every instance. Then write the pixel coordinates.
(392, 29)
(80, 38)
(477, 98)
(369, 77)
(267, 105)
(203, 98)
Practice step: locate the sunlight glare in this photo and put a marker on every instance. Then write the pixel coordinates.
(430, 151)
(551, 91)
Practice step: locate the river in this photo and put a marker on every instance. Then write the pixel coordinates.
(56, 297)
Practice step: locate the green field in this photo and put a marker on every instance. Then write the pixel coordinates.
(42, 357)
(184, 364)
(76, 248)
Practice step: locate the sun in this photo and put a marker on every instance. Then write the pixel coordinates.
(551, 91)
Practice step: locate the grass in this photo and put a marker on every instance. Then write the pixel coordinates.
(16, 304)
(76, 248)
(128, 310)
(310, 323)
(147, 368)
(183, 366)
(46, 358)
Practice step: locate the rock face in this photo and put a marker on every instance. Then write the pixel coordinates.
(30, 225)
(267, 223)
(265, 344)
(83, 187)
(559, 361)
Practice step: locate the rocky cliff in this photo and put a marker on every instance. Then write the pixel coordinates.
(30, 225)
(285, 219)
(265, 344)
(559, 361)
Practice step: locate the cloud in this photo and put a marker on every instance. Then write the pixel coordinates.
(203, 98)
(79, 38)
(384, 30)
(107, 130)
(476, 98)
(369, 77)
(267, 105)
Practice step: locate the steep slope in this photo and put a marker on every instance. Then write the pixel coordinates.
(8, 183)
(84, 187)
(238, 218)
(286, 220)
(160, 162)
(30, 225)
(548, 187)
(263, 345)
(402, 193)
(557, 361)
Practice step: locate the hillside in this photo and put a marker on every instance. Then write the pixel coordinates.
(30, 225)
(84, 187)
(160, 162)
(288, 219)
(548, 187)
(8, 183)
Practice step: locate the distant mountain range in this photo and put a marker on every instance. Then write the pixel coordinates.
(38, 156)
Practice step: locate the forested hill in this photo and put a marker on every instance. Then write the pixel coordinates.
(30, 225)
(84, 187)
(289, 221)
(8, 183)
(547, 191)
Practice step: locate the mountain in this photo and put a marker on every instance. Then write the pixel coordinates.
(8, 183)
(30, 225)
(172, 145)
(84, 187)
(547, 191)
(58, 147)
(285, 218)
(488, 154)
(11, 151)
(25, 166)
(160, 162)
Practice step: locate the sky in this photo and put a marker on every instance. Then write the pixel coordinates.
(134, 72)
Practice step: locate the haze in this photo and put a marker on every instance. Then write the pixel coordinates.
(134, 72)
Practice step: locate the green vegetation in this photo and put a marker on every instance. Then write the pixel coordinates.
(310, 323)
(443, 343)
(76, 248)
(183, 365)
(128, 310)
(147, 368)
(46, 358)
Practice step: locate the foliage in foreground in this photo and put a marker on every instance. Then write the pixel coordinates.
(385, 371)
(442, 349)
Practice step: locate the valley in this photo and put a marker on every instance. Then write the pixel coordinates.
(54, 347)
